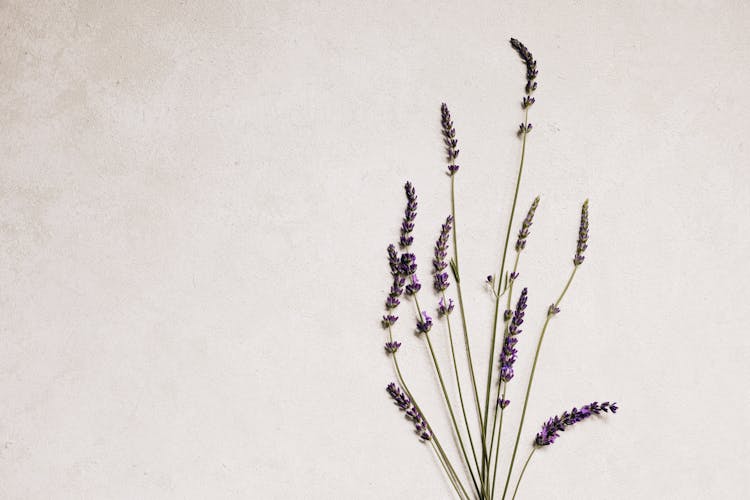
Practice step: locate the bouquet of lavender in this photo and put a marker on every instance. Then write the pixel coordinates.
(478, 441)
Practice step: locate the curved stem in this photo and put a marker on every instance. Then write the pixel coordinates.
(531, 379)
(444, 461)
(447, 399)
(518, 483)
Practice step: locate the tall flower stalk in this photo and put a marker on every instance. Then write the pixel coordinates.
(479, 465)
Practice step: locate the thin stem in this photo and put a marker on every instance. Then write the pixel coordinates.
(458, 384)
(518, 483)
(497, 446)
(531, 379)
(499, 278)
(460, 296)
(445, 462)
(447, 399)
(506, 323)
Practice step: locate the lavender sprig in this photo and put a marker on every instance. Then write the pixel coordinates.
(449, 138)
(552, 427)
(412, 413)
(441, 252)
(583, 234)
(407, 226)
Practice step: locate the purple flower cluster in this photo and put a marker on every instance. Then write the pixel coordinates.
(407, 226)
(424, 324)
(503, 403)
(397, 288)
(509, 352)
(531, 71)
(392, 347)
(449, 138)
(552, 427)
(441, 252)
(523, 233)
(443, 308)
(403, 402)
(583, 234)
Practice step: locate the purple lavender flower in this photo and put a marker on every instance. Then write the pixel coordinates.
(531, 71)
(524, 231)
(407, 226)
(389, 320)
(412, 413)
(445, 309)
(583, 234)
(408, 264)
(449, 138)
(425, 324)
(414, 286)
(553, 309)
(509, 352)
(392, 347)
(441, 252)
(552, 427)
(397, 288)
(503, 403)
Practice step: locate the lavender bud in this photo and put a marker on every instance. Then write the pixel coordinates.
(408, 264)
(424, 325)
(445, 309)
(449, 139)
(413, 287)
(553, 309)
(389, 320)
(410, 213)
(523, 233)
(490, 279)
(503, 403)
(392, 347)
(552, 427)
(507, 314)
(583, 234)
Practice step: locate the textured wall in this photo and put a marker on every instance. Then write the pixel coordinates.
(195, 199)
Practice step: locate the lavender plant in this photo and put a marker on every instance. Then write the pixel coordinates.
(478, 442)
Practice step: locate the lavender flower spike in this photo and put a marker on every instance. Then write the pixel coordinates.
(552, 427)
(449, 138)
(509, 352)
(403, 402)
(531, 71)
(524, 232)
(583, 234)
(407, 226)
(441, 252)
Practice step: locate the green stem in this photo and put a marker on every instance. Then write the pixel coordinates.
(460, 297)
(531, 380)
(444, 461)
(518, 483)
(447, 399)
(458, 384)
(497, 446)
(499, 278)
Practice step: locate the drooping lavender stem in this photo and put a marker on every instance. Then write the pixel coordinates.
(531, 74)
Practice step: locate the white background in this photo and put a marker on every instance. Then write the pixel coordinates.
(196, 197)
